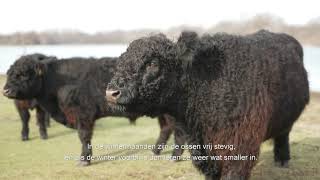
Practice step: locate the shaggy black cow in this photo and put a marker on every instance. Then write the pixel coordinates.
(72, 91)
(222, 89)
(43, 118)
(23, 107)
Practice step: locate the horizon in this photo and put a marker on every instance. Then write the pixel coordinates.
(99, 16)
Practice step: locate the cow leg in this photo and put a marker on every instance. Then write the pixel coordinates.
(212, 177)
(179, 139)
(208, 167)
(238, 170)
(47, 119)
(234, 176)
(25, 116)
(229, 170)
(132, 120)
(281, 150)
(165, 132)
(85, 131)
(41, 116)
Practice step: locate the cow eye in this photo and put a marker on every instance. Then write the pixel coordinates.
(18, 76)
(152, 65)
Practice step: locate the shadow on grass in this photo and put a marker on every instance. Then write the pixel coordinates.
(111, 122)
(59, 134)
(50, 136)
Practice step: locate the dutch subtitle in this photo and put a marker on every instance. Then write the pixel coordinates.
(216, 148)
(161, 146)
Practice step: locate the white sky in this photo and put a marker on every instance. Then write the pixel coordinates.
(107, 15)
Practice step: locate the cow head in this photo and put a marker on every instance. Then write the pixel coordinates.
(151, 73)
(25, 76)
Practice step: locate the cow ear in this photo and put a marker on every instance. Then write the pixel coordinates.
(200, 58)
(186, 48)
(207, 62)
(39, 68)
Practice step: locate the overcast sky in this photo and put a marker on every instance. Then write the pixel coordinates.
(107, 15)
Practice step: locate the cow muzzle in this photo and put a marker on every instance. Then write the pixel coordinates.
(112, 96)
(6, 92)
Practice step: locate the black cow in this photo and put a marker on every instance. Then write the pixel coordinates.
(23, 107)
(222, 89)
(71, 90)
(43, 118)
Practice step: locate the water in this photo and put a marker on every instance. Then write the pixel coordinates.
(312, 64)
(8, 54)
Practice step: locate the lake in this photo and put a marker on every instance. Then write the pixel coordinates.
(8, 54)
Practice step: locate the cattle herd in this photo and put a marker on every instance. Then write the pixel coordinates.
(209, 89)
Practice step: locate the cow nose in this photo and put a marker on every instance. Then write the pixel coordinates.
(6, 92)
(112, 96)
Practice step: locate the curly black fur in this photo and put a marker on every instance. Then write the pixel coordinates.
(222, 89)
(71, 90)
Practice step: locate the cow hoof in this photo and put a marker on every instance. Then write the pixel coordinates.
(84, 163)
(282, 164)
(156, 152)
(44, 136)
(24, 138)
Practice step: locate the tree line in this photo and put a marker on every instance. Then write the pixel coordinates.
(308, 33)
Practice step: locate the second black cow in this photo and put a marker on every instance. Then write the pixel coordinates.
(71, 90)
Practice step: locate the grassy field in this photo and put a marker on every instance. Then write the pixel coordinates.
(44, 159)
